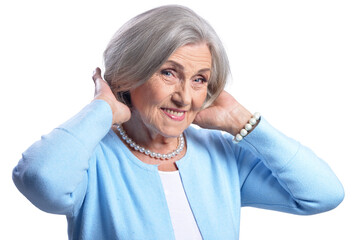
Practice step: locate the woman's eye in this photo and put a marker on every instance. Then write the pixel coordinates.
(167, 73)
(200, 80)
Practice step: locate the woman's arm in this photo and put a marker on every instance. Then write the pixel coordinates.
(52, 173)
(284, 175)
(276, 172)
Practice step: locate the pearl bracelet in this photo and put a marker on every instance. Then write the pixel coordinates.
(244, 131)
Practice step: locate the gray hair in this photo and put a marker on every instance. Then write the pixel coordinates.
(143, 44)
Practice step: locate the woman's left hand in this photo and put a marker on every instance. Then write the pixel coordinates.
(224, 114)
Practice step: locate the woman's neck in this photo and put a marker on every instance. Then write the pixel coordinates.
(148, 137)
(151, 140)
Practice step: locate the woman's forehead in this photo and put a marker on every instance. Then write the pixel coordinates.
(195, 55)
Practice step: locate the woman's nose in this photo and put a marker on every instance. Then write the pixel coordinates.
(182, 95)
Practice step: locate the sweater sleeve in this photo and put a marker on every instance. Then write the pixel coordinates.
(283, 175)
(52, 173)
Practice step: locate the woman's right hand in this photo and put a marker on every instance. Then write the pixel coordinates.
(121, 112)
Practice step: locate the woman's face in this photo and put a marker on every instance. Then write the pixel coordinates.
(170, 100)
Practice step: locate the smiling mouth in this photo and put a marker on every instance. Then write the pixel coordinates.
(174, 114)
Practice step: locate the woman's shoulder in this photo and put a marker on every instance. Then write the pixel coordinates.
(208, 137)
(195, 131)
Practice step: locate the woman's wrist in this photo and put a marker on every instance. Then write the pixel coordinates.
(248, 127)
(237, 119)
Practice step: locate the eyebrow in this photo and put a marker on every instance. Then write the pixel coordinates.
(179, 66)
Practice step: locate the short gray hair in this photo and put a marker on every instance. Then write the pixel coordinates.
(143, 44)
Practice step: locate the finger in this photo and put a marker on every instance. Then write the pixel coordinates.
(97, 74)
(98, 81)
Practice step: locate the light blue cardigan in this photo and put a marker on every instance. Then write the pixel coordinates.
(82, 170)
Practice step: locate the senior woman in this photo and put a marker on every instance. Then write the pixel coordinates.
(130, 166)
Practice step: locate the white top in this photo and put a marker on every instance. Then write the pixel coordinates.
(184, 224)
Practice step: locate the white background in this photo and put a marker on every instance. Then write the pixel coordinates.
(296, 62)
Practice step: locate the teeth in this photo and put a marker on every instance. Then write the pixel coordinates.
(178, 114)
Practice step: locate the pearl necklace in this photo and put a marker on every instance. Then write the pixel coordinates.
(147, 152)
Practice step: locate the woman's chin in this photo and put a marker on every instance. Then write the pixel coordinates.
(171, 132)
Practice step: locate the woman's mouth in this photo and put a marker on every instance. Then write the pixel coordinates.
(174, 114)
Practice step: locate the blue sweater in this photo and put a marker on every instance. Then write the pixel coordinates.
(83, 170)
